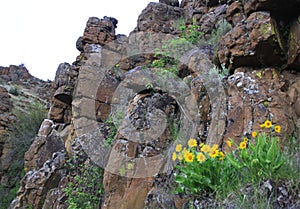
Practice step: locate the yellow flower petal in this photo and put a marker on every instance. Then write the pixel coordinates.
(189, 157)
(268, 124)
(277, 129)
(254, 134)
(178, 147)
(243, 145)
(214, 153)
(192, 143)
(205, 148)
(215, 147)
(221, 155)
(229, 143)
(201, 157)
(174, 156)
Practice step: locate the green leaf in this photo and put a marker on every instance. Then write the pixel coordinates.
(233, 162)
(179, 179)
(271, 154)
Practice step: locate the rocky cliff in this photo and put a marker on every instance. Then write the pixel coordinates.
(120, 107)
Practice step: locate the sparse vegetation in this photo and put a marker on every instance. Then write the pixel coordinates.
(14, 90)
(25, 128)
(111, 131)
(85, 187)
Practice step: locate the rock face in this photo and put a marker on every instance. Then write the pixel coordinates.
(14, 73)
(159, 17)
(6, 116)
(6, 126)
(115, 108)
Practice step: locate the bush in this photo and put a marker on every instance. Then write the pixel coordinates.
(85, 186)
(204, 169)
(14, 90)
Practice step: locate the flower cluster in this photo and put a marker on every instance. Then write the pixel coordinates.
(193, 151)
(266, 125)
(204, 168)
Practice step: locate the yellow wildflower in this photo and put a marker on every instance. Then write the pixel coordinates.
(184, 151)
(201, 157)
(178, 147)
(180, 156)
(214, 147)
(229, 143)
(192, 143)
(277, 129)
(243, 145)
(254, 134)
(245, 139)
(221, 155)
(214, 153)
(205, 148)
(266, 124)
(189, 157)
(174, 156)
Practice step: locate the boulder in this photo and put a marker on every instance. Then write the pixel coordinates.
(252, 43)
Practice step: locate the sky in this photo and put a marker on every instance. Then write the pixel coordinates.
(42, 34)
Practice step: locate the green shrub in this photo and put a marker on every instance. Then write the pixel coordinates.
(204, 169)
(14, 90)
(111, 132)
(85, 186)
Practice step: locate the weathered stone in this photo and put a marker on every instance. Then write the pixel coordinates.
(174, 3)
(252, 43)
(104, 96)
(60, 112)
(234, 13)
(36, 184)
(42, 149)
(210, 19)
(15, 73)
(277, 8)
(99, 31)
(158, 17)
(294, 45)
(253, 98)
(46, 128)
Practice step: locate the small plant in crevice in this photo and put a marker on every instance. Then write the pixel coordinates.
(112, 130)
(191, 33)
(85, 186)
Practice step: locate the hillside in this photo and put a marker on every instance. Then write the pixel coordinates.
(23, 107)
(200, 83)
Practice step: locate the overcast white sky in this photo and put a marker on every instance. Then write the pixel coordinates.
(43, 34)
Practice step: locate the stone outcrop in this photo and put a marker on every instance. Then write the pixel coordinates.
(37, 183)
(252, 43)
(115, 109)
(159, 17)
(14, 73)
(6, 127)
(6, 116)
(99, 31)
